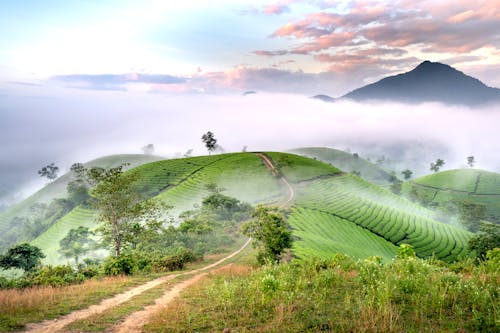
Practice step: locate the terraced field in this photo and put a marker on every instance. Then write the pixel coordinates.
(49, 240)
(57, 189)
(384, 214)
(458, 185)
(320, 234)
(348, 163)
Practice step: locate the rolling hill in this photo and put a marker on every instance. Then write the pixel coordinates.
(332, 212)
(347, 162)
(474, 185)
(57, 189)
(428, 82)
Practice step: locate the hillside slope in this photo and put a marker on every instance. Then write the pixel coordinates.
(474, 185)
(57, 189)
(347, 162)
(332, 213)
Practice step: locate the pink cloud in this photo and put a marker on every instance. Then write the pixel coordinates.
(275, 9)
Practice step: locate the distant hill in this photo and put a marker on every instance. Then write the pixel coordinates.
(428, 82)
(347, 162)
(324, 98)
(474, 185)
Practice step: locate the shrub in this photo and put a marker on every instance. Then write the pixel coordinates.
(123, 264)
(56, 276)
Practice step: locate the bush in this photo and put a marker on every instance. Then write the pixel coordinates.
(56, 276)
(124, 264)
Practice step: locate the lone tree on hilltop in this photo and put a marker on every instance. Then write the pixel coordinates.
(49, 171)
(407, 173)
(471, 161)
(210, 142)
(435, 166)
(148, 149)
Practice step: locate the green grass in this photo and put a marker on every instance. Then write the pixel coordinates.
(337, 295)
(391, 217)
(458, 185)
(348, 163)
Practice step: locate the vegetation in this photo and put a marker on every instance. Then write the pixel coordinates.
(24, 256)
(49, 171)
(271, 233)
(210, 141)
(488, 238)
(77, 243)
(435, 166)
(340, 295)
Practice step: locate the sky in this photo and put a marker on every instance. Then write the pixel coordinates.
(229, 46)
(82, 79)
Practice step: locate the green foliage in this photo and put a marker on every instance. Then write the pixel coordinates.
(435, 166)
(406, 251)
(118, 265)
(56, 276)
(49, 171)
(407, 174)
(339, 295)
(209, 141)
(271, 233)
(77, 243)
(23, 256)
(471, 214)
(488, 238)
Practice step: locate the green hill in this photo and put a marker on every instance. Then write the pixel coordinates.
(347, 162)
(331, 212)
(57, 189)
(474, 185)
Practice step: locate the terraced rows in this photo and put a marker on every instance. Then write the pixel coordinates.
(243, 176)
(385, 215)
(320, 234)
(49, 240)
(159, 176)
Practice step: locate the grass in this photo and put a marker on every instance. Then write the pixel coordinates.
(22, 306)
(111, 317)
(348, 163)
(338, 295)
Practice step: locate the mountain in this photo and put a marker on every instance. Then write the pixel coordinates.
(429, 82)
(324, 98)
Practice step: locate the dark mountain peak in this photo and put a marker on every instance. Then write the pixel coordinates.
(429, 82)
(324, 98)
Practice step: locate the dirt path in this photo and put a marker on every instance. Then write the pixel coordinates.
(135, 321)
(56, 325)
(291, 192)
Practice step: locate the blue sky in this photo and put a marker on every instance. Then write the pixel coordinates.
(225, 47)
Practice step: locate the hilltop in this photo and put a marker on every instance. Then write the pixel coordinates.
(428, 82)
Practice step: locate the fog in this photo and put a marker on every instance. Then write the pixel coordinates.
(42, 128)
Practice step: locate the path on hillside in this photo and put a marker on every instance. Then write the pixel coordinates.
(269, 164)
(135, 321)
(450, 190)
(56, 325)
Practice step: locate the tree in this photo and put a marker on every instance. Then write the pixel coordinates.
(209, 141)
(23, 256)
(355, 156)
(471, 214)
(148, 149)
(435, 166)
(407, 173)
(77, 243)
(49, 171)
(471, 161)
(123, 214)
(188, 153)
(486, 239)
(271, 231)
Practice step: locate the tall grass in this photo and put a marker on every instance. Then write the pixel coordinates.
(339, 295)
(22, 306)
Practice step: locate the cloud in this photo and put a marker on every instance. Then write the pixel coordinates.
(443, 27)
(74, 128)
(116, 82)
(275, 9)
